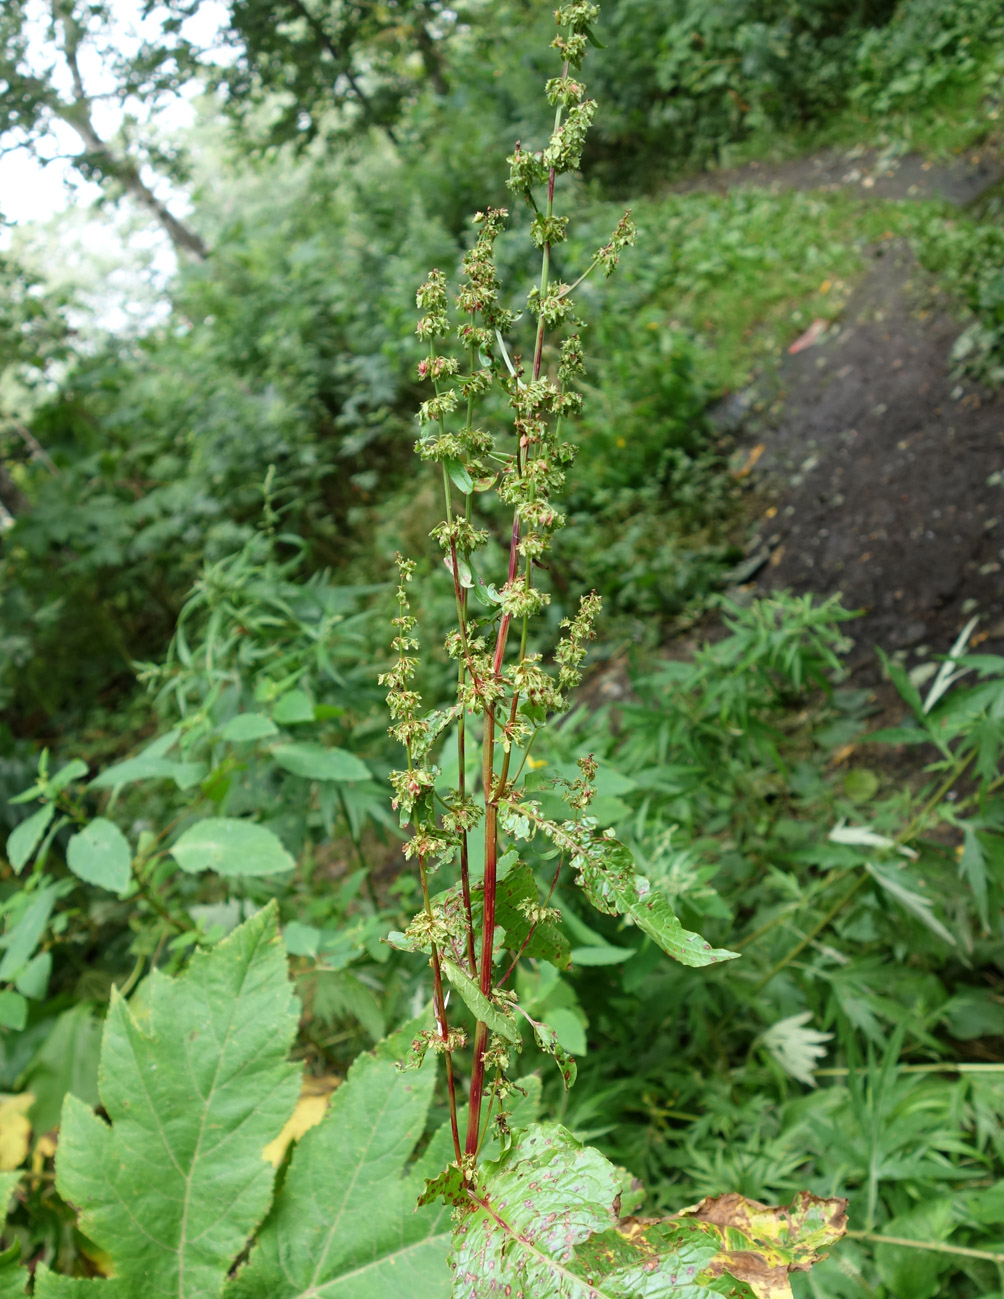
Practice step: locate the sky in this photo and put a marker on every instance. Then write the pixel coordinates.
(34, 192)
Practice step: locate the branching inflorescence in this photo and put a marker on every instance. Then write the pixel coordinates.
(504, 691)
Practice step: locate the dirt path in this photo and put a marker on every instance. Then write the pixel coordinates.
(881, 473)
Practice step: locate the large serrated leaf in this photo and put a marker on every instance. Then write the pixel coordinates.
(173, 1186)
(343, 1225)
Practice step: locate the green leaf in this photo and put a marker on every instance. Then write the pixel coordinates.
(650, 910)
(861, 785)
(248, 726)
(33, 980)
(901, 680)
(26, 836)
(547, 1039)
(12, 1277)
(149, 767)
(13, 1010)
(479, 1005)
(48, 1285)
(548, 1193)
(542, 1224)
(601, 955)
(344, 1225)
(605, 871)
(75, 769)
(173, 1186)
(22, 939)
(548, 943)
(972, 867)
(292, 708)
(921, 907)
(230, 847)
(100, 854)
(67, 1061)
(315, 762)
(459, 475)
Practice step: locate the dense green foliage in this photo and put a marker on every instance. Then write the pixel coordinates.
(200, 514)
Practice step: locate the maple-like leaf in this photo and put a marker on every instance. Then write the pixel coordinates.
(173, 1186)
(344, 1224)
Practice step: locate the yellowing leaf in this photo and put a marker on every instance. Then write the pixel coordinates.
(45, 1148)
(15, 1129)
(763, 1245)
(310, 1109)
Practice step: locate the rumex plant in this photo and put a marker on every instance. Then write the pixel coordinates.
(475, 932)
(174, 1182)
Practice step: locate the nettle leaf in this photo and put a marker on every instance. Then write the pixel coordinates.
(231, 847)
(317, 762)
(516, 886)
(344, 1224)
(547, 943)
(542, 1223)
(605, 870)
(100, 854)
(172, 1187)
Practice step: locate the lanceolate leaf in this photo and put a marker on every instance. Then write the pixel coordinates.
(479, 1005)
(173, 1187)
(611, 884)
(26, 836)
(344, 1225)
(606, 872)
(651, 912)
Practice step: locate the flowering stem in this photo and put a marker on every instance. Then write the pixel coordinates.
(439, 1009)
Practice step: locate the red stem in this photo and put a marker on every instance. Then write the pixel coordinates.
(439, 1006)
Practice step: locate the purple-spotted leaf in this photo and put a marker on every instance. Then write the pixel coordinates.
(543, 1222)
(528, 1211)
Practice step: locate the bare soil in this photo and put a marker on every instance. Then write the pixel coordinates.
(882, 474)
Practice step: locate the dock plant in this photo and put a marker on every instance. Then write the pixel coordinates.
(199, 1175)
